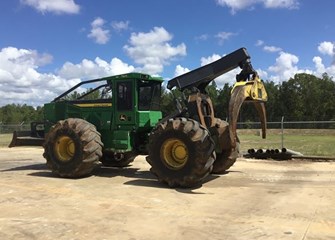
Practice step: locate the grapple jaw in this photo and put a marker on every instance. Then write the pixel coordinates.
(251, 91)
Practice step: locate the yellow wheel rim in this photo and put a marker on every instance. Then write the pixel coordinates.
(64, 148)
(174, 153)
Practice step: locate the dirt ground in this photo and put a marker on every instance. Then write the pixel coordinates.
(257, 199)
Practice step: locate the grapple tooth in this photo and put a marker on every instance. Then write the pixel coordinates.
(236, 100)
(260, 107)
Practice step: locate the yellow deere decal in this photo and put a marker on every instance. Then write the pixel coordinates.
(93, 104)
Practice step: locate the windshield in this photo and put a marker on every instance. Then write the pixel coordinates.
(149, 95)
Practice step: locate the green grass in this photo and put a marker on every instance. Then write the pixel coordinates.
(309, 143)
(5, 139)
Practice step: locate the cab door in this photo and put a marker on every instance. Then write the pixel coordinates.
(125, 105)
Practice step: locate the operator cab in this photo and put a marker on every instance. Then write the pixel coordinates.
(137, 96)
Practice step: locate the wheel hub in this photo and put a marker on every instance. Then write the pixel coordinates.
(175, 153)
(64, 148)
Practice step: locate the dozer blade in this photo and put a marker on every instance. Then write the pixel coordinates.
(34, 137)
(251, 91)
(25, 138)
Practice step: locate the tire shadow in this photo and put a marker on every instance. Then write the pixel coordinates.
(39, 166)
(143, 178)
(129, 172)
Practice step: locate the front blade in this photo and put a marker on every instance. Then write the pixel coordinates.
(24, 138)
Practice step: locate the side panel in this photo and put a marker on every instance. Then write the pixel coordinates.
(148, 119)
(99, 116)
(121, 141)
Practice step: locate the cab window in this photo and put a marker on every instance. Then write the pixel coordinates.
(124, 96)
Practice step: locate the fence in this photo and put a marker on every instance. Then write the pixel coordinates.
(315, 138)
(10, 128)
(309, 138)
(289, 125)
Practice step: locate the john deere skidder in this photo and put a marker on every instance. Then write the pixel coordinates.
(125, 121)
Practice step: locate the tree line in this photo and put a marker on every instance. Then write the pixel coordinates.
(304, 97)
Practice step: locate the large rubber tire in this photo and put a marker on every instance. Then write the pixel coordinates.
(181, 152)
(227, 157)
(109, 159)
(72, 148)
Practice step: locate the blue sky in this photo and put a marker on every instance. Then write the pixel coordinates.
(47, 46)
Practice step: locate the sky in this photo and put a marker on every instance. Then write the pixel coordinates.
(47, 46)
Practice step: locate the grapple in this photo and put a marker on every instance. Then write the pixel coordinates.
(251, 91)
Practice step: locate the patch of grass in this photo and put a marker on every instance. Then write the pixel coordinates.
(5, 139)
(315, 144)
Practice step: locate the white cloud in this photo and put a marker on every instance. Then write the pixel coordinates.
(21, 82)
(289, 4)
(271, 49)
(152, 50)
(259, 43)
(223, 36)
(321, 68)
(202, 37)
(262, 74)
(120, 26)
(285, 67)
(236, 5)
(207, 60)
(156, 36)
(98, 33)
(267, 48)
(94, 69)
(180, 70)
(53, 6)
(327, 48)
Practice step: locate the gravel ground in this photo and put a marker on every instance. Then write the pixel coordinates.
(257, 199)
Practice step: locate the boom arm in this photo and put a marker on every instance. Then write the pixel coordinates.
(247, 88)
(202, 76)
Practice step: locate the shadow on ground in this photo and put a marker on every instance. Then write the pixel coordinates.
(143, 178)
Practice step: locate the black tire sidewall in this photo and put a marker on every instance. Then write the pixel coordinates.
(156, 153)
(65, 167)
